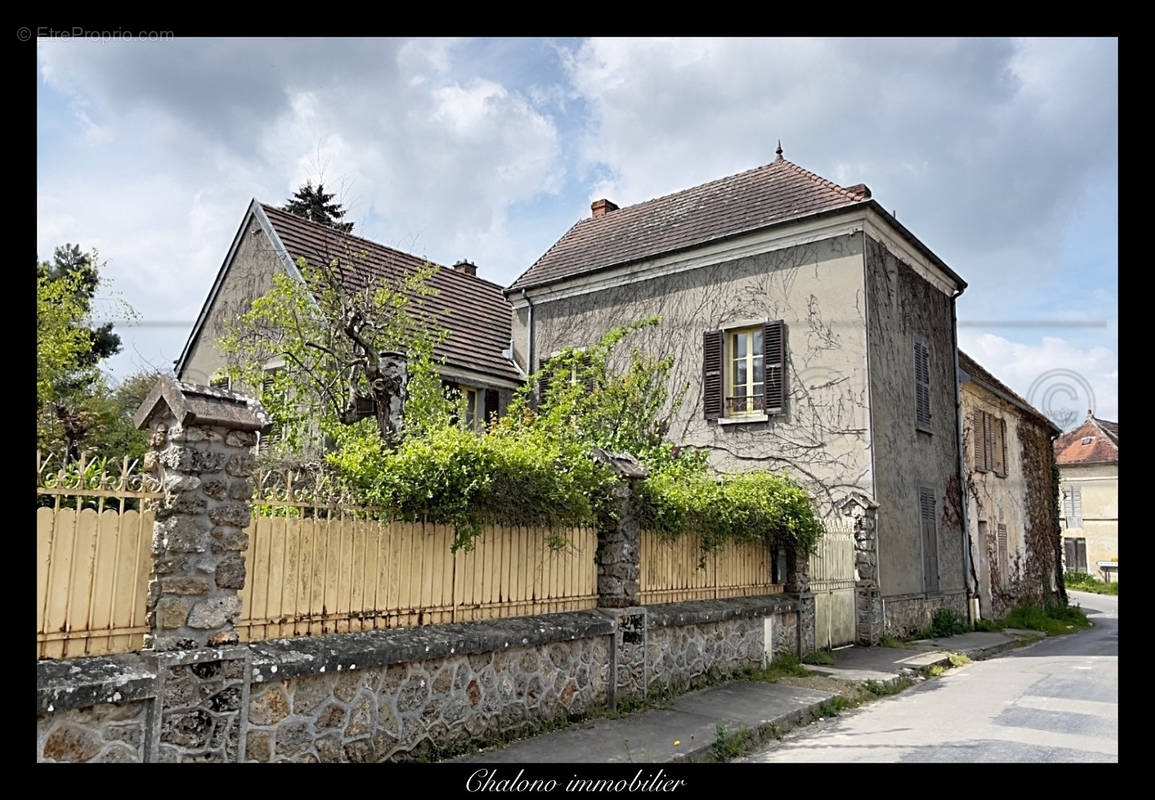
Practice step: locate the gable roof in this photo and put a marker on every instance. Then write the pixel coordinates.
(742, 203)
(981, 376)
(472, 309)
(1102, 449)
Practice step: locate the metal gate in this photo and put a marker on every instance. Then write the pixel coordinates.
(832, 583)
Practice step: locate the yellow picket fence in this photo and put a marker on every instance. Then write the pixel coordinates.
(331, 575)
(675, 570)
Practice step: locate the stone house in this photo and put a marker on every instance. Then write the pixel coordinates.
(1010, 516)
(1088, 459)
(473, 310)
(815, 333)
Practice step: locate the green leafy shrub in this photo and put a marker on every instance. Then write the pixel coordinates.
(1082, 582)
(947, 622)
(1053, 620)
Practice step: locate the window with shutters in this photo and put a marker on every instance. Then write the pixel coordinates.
(579, 373)
(922, 385)
(742, 372)
(1004, 556)
(926, 506)
(990, 443)
(1075, 554)
(1073, 506)
(219, 381)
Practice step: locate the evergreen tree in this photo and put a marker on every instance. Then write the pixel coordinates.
(316, 205)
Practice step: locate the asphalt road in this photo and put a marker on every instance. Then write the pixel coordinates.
(1055, 701)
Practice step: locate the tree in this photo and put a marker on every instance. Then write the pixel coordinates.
(316, 205)
(70, 391)
(333, 335)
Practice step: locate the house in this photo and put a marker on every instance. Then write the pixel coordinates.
(1010, 513)
(1088, 459)
(816, 334)
(477, 316)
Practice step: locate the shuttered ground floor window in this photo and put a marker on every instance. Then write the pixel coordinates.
(926, 506)
(1075, 552)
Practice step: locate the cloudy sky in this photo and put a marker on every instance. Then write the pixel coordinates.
(1001, 155)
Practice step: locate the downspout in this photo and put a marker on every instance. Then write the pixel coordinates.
(969, 567)
(528, 334)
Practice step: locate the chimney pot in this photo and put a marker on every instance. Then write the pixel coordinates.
(602, 207)
(467, 267)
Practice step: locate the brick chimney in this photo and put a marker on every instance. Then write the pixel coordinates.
(467, 267)
(602, 207)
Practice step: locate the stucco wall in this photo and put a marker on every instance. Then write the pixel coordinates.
(249, 277)
(1009, 500)
(1099, 485)
(816, 288)
(901, 306)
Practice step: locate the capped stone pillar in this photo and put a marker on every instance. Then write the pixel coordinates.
(200, 452)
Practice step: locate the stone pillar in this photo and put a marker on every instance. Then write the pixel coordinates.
(863, 514)
(798, 584)
(619, 580)
(201, 442)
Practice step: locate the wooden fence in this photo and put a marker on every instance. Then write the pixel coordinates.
(674, 570)
(93, 559)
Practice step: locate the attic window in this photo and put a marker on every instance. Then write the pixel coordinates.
(1088, 439)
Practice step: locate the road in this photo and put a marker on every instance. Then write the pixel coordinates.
(1055, 701)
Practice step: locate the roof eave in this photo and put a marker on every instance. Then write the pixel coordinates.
(903, 231)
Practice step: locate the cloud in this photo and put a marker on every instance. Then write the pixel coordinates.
(1057, 376)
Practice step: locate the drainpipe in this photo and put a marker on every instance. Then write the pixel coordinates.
(968, 567)
(528, 335)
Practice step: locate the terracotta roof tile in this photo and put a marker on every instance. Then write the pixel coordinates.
(736, 204)
(479, 317)
(1103, 446)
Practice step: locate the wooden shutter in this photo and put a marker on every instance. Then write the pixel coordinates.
(492, 404)
(1004, 556)
(998, 428)
(773, 367)
(220, 382)
(922, 383)
(585, 362)
(267, 388)
(978, 440)
(988, 440)
(1077, 505)
(929, 540)
(713, 387)
(542, 384)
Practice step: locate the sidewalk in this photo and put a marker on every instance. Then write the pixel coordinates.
(687, 729)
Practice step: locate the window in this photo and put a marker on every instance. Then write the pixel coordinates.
(220, 382)
(270, 394)
(1004, 556)
(922, 385)
(582, 363)
(473, 407)
(990, 443)
(742, 371)
(1087, 440)
(1073, 506)
(926, 506)
(1075, 555)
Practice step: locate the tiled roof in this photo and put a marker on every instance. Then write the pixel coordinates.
(1103, 447)
(739, 203)
(981, 375)
(479, 317)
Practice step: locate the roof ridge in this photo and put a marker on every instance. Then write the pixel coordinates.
(326, 228)
(689, 188)
(814, 176)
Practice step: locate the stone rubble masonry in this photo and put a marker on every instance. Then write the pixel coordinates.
(104, 732)
(867, 594)
(910, 614)
(403, 693)
(198, 537)
(619, 553)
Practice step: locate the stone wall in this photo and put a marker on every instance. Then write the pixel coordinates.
(907, 615)
(406, 693)
(104, 732)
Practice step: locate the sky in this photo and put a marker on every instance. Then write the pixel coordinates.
(1000, 154)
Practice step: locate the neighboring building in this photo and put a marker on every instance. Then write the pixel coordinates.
(1010, 512)
(476, 352)
(1088, 459)
(816, 334)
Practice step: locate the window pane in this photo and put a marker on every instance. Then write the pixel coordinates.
(758, 342)
(739, 345)
(758, 371)
(739, 375)
(758, 389)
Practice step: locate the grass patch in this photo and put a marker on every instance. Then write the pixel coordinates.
(823, 657)
(832, 707)
(947, 622)
(988, 625)
(730, 745)
(778, 668)
(1052, 620)
(934, 670)
(885, 688)
(887, 641)
(1082, 582)
(957, 659)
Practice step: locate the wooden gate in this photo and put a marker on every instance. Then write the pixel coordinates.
(832, 582)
